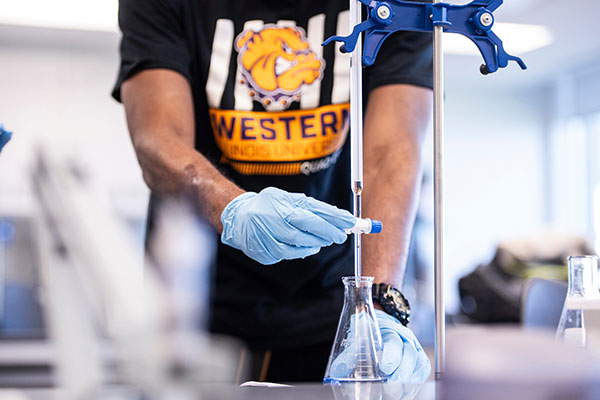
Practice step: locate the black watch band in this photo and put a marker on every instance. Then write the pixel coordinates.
(392, 301)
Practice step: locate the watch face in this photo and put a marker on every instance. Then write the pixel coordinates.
(395, 303)
(397, 298)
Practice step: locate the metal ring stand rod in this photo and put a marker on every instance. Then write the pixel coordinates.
(438, 194)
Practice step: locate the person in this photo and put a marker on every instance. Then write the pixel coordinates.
(236, 106)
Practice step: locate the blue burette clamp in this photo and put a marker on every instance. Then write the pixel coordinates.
(4, 136)
(473, 20)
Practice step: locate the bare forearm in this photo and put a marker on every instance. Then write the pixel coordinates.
(391, 196)
(161, 122)
(395, 123)
(172, 168)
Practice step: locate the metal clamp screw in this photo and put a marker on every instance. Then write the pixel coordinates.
(486, 19)
(383, 12)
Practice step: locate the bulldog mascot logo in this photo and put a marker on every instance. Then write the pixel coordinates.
(276, 63)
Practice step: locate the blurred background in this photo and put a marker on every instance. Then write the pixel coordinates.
(520, 159)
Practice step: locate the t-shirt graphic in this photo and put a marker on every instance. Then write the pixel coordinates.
(277, 66)
(276, 62)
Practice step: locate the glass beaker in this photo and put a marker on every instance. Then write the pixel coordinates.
(356, 352)
(582, 286)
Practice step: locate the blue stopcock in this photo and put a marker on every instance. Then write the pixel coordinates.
(5, 137)
(365, 225)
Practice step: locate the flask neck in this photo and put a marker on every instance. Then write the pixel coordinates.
(582, 276)
(358, 292)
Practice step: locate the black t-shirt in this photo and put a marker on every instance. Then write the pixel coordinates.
(271, 108)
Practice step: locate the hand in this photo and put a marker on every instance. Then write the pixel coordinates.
(275, 225)
(403, 358)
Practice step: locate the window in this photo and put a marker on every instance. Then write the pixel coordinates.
(575, 176)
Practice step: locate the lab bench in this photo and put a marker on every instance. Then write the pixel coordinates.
(428, 391)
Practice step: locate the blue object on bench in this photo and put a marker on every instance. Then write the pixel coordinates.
(5, 136)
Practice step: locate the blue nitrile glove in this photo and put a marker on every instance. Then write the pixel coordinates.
(275, 225)
(403, 358)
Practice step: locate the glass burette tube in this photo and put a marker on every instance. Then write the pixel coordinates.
(356, 131)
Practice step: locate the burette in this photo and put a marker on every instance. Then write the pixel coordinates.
(356, 133)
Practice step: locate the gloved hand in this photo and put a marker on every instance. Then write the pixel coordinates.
(275, 225)
(403, 358)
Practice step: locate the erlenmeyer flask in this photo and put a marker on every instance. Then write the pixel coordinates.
(582, 288)
(357, 348)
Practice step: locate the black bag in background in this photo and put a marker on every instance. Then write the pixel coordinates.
(492, 292)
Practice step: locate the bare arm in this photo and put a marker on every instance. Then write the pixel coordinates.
(160, 115)
(395, 123)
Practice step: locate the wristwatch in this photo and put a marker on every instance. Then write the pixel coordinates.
(392, 301)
